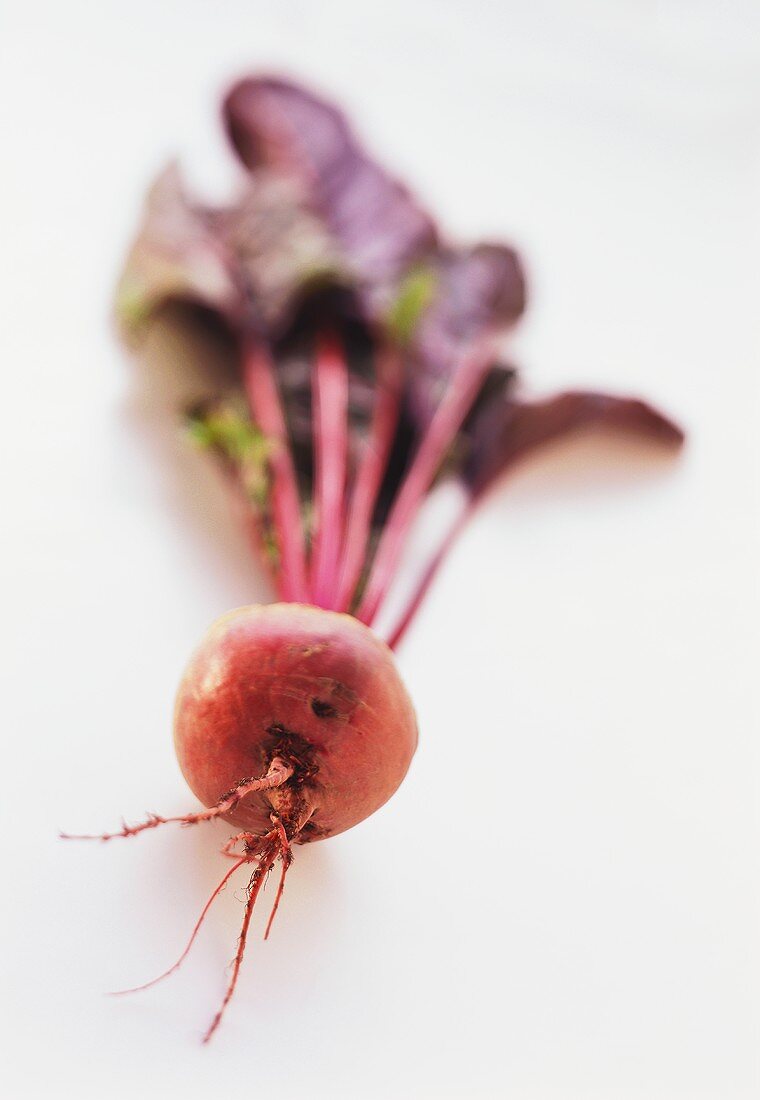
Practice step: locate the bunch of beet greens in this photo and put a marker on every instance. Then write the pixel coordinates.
(370, 371)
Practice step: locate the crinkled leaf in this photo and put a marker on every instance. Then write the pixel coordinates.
(281, 249)
(503, 430)
(379, 227)
(476, 293)
(250, 263)
(177, 255)
(450, 310)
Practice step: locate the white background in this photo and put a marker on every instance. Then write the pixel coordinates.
(562, 900)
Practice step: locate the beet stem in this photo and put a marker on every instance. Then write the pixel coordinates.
(431, 571)
(369, 477)
(446, 421)
(330, 399)
(267, 411)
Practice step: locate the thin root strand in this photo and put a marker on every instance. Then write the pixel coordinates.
(278, 774)
(258, 878)
(154, 981)
(261, 850)
(264, 852)
(286, 858)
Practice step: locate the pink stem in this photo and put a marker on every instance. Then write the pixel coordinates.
(267, 411)
(431, 571)
(330, 398)
(369, 477)
(447, 420)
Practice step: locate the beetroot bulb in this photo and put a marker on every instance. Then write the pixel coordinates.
(312, 694)
(368, 367)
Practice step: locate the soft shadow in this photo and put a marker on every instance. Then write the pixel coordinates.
(185, 358)
(186, 869)
(594, 463)
(312, 893)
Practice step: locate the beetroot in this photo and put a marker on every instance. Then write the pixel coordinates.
(369, 369)
(292, 724)
(316, 691)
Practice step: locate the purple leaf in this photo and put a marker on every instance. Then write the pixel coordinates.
(178, 255)
(502, 431)
(379, 227)
(280, 249)
(477, 293)
(250, 262)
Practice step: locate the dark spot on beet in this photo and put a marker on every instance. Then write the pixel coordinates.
(310, 831)
(323, 709)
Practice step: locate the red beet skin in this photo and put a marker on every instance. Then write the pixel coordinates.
(316, 689)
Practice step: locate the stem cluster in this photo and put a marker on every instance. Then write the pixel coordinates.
(346, 565)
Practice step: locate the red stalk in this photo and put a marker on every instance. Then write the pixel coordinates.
(447, 420)
(431, 571)
(267, 411)
(330, 398)
(369, 477)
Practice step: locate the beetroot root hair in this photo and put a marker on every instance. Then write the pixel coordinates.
(261, 851)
